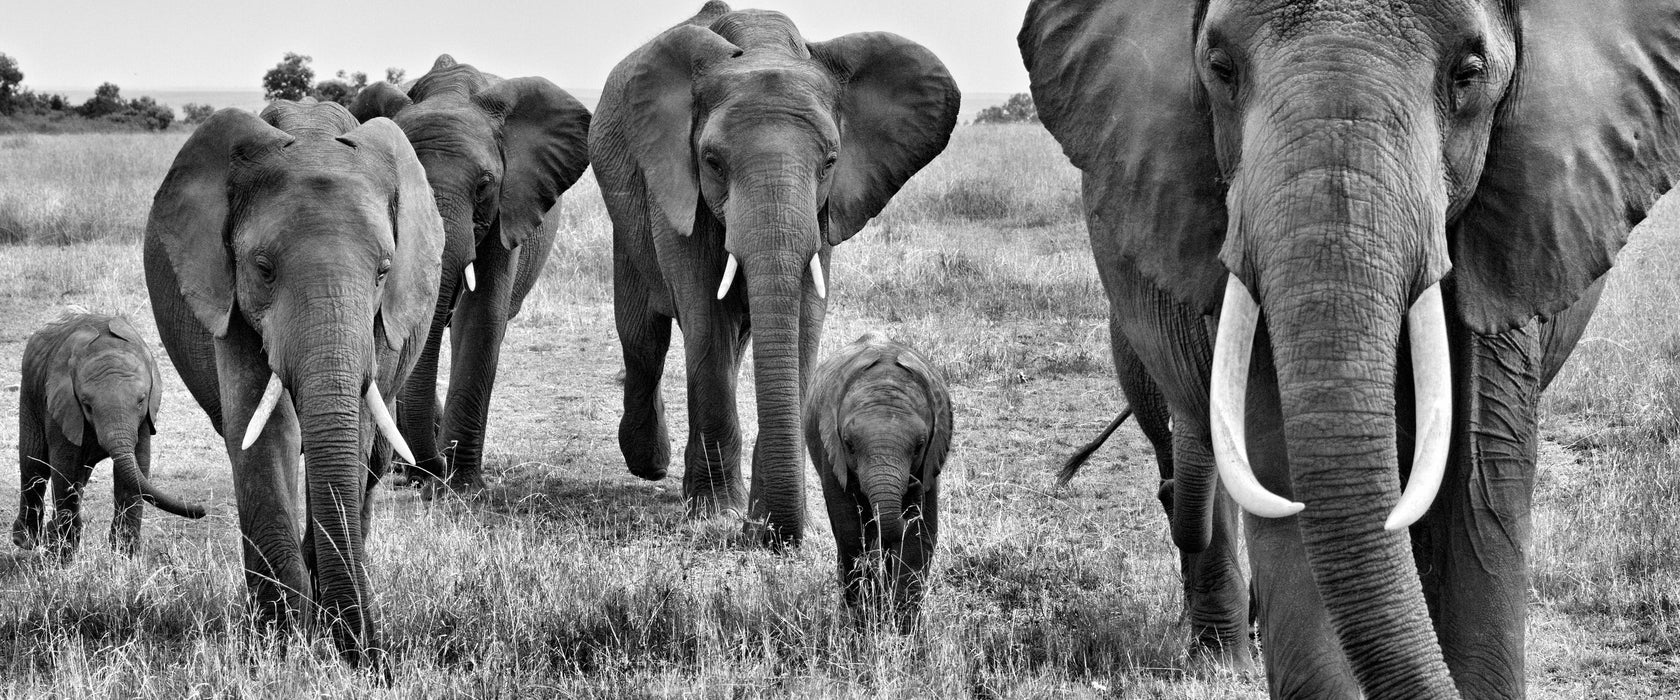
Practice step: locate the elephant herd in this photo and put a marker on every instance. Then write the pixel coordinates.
(1331, 233)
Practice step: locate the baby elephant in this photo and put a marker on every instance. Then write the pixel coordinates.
(90, 390)
(878, 425)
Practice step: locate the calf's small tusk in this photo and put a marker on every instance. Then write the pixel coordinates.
(387, 427)
(729, 270)
(1426, 326)
(817, 276)
(1238, 318)
(472, 279)
(265, 408)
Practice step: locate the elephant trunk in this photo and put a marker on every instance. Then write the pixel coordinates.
(884, 481)
(1339, 220)
(775, 295)
(127, 471)
(328, 376)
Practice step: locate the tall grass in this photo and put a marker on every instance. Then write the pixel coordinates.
(57, 190)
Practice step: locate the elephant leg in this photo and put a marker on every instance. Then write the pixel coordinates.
(712, 459)
(1476, 533)
(921, 533)
(475, 341)
(129, 509)
(1146, 399)
(845, 516)
(35, 473)
(417, 404)
(265, 481)
(645, 337)
(1303, 657)
(1216, 601)
(70, 475)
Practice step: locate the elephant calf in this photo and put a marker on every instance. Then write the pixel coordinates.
(90, 390)
(878, 425)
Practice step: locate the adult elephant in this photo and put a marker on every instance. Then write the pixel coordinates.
(498, 154)
(291, 261)
(729, 144)
(1411, 205)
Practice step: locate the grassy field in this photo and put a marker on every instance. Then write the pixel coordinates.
(573, 578)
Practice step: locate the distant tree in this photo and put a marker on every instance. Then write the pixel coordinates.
(290, 79)
(1018, 108)
(148, 113)
(343, 90)
(195, 113)
(395, 76)
(10, 78)
(107, 99)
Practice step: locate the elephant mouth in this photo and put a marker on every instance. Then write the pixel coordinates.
(732, 268)
(1432, 380)
(371, 398)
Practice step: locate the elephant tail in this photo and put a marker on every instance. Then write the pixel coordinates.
(1077, 460)
(128, 472)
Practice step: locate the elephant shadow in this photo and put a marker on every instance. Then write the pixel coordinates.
(597, 508)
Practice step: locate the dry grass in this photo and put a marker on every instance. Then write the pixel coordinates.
(573, 578)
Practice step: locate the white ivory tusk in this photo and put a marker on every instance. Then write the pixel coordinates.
(1238, 318)
(817, 276)
(382, 419)
(265, 408)
(729, 270)
(1426, 325)
(472, 279)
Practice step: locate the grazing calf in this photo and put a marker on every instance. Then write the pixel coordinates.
(878, 425)
(90, 391)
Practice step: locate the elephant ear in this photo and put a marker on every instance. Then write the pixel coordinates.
(405, 309)
(62, 402)
(189, 213)
(379, 100)
(1584, 143)
(659, 99)
(1113, 83)
(898, 105)
(121, 328)
(939, 407)
(545, 148)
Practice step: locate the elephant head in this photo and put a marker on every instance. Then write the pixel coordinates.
(780, 148)
(1325, 168)
(878, 424)
(498, 154)
(103, 384)
(308, 247)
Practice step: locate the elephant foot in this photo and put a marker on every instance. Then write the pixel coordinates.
(25, 535)
(647, 456)
(647, 471)
(708, 505)
(429, 469)
(1235, 656)
(124, 541)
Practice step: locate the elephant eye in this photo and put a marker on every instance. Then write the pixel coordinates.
(1221, 67)
(828, 165)
(384, 268)
(265, 267)
(1469, 69)
(713, 162)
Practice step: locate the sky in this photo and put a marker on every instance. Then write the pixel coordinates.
(66, 45)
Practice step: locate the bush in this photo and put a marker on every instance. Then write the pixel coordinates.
(148, 113)
(290, 79)
(106, 100)
(195, 113)
(1018, 108)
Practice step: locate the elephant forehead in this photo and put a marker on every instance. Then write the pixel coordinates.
(884, 386)
(771, 80)
(112, 361)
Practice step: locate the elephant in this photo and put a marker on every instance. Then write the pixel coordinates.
(1339, 231)
(878, 424)
(498, 154)
(90, 391)
(729, 146)
(292, 261)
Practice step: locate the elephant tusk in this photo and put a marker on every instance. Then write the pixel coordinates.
(729, 269)
(265, 408)
(472, 279)
(817, 276)
(387, 427)
(1238, 318)
(1426, 324)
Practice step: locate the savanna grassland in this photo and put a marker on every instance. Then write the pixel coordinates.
(571, 578)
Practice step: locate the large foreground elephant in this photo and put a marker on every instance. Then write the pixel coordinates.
(292, 261)
(729, 144)
(1404, 210)
(498, 154)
